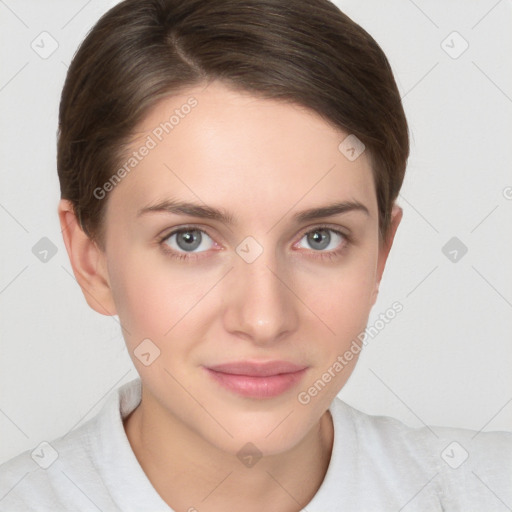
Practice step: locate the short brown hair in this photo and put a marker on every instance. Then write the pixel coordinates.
(302, 51)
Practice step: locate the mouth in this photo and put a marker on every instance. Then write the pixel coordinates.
(257, 380)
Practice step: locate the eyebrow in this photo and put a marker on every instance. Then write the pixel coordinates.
(208, 212)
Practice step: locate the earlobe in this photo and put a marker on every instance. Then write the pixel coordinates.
(87, 260)
(385, 247)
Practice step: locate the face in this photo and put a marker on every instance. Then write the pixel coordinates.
(251, 278)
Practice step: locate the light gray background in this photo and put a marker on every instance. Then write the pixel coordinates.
(444, 360)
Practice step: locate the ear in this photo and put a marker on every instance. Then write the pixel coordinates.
(385, 247)
(87, 260)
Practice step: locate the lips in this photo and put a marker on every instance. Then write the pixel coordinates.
(257, 369)
(257, 380)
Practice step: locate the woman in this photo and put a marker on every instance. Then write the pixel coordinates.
(228, 174)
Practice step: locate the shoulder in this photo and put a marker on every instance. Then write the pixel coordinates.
(85, 469)
(464, 468)
(40, 479)
(49, 476)
(398, 436)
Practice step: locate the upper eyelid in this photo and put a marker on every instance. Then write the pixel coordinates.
(303, 230)
(174, 231)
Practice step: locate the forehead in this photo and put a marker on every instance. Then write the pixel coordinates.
(223, 147)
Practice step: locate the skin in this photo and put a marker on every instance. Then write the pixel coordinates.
(262, 161)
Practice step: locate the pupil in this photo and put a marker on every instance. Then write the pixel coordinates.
(188, 240)
(320, 237)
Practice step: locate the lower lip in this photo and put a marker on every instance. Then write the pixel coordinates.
(258, 387)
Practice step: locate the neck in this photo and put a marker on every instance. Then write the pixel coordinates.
(189, 473)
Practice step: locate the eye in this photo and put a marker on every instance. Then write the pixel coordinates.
(324, 239)
(188, 240)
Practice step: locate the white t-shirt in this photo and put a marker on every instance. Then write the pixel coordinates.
(377, 463)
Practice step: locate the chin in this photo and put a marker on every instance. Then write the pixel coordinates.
(267, 434)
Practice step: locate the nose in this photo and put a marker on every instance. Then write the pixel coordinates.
(261, 306)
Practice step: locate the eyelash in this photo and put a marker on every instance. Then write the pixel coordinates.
(324, 255)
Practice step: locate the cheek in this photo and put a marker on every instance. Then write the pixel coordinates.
(150, 296)
(344, 294)
(343, 302)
